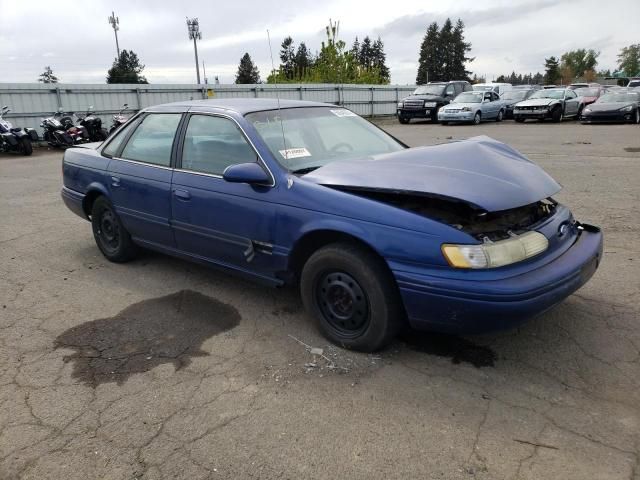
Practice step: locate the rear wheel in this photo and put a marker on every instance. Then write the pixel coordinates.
(403, 120)
(25, 146)
(112, 238)
(352, 297)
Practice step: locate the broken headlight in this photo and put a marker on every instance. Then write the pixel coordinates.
(496, 254)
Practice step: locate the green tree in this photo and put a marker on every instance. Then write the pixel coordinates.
(287, 58)
(552, 70)
(303, 61)
(365, 56)
(247, 71)
(629, 60)
(579, 61)
(445, 41)
(380, 61)
(47, 76)
(429, 68)
(126, 69)
(459, 50)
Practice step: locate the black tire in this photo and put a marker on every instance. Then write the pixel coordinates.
(519, 120)
(25, 146)
(637, 117)
(579, 114)
(556, 114)
(477, 118)
(352, 296)
(112, 238)
(102, 135)
(444, 123)
(403, 120)
(500, 116)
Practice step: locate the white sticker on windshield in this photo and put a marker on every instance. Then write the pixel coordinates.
(343, 113)
(294, 153)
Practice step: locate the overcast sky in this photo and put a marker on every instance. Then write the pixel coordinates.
(76, 40)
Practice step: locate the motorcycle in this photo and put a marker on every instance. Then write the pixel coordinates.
(93, 124)
(119, 119)
(60, 130)
(16, 140)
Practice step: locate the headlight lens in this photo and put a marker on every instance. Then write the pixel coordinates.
(466, 109)
(497, 254)
(628, 108)
(400, 104)
(587, 110)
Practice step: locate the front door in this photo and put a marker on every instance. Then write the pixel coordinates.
(570, 103)
(140, 178)
(228, 223)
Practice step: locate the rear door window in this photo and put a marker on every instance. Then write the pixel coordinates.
(153, 139)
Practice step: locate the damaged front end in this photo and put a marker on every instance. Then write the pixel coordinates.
(480, 224)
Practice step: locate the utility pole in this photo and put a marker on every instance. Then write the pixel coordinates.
(204, 73)
(115, 23)
(194, 34)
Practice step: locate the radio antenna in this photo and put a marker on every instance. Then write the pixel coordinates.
(275, 81)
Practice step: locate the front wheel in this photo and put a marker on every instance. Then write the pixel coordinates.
(500, 116)
(476, 119)
(637, 118)
(352, 296)
(556, 114)
(112, 238)
(403, 120)
(444, 123)
(25, 146)
(519, 120)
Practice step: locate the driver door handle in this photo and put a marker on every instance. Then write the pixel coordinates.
(182, 194)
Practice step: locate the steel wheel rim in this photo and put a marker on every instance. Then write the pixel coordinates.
(476, 119)
(109, 230)
(343, 303)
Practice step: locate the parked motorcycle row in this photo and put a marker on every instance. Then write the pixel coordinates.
(16, 140)
(62, 129)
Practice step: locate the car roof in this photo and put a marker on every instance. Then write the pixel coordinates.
(238, 105)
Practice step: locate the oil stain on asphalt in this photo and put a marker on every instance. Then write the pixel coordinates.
(169, 329)
(459, 349)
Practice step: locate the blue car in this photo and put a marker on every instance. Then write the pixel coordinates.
(463, 237)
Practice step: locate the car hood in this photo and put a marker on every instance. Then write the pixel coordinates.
(426, 98)
(536, 102)
(607, 107)
(480, 171)
(458, 106)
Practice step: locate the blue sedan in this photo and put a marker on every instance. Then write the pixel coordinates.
(462, 237)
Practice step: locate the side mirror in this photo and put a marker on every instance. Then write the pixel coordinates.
(251, 173)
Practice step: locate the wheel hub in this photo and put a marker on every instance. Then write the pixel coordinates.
(342, 302)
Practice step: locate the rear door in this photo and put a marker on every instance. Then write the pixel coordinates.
(140, 177)
(228, 223)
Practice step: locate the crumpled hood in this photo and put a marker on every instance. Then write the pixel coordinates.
(480, 171)
(536, 102)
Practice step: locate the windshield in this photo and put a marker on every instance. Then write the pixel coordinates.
(469, 97)
(555, 93)
(618, 98)
(514, 95)
(316, 136)
(429, 90)
(483, 88)
(587, 92)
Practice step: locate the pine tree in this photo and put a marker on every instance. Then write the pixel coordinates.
(247, 71)
(287, 57)
(552, 70)
(380, 61)
(47, 76)
(303, 61)
(366, 54)
(355, 49)
(459, 58)
(429, 66)
(126, 69)
(446, 48)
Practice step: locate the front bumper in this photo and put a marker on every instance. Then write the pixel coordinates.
(477, 306)
(613, 117)
(443, 116)
(423, 112)
(534, 114)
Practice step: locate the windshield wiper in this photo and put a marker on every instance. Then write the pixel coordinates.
(302, 171)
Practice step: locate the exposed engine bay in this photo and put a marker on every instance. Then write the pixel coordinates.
(482, 225)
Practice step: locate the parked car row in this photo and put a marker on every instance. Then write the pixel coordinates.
(458, 101)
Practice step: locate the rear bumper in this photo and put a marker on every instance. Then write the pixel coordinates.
(73, 200)
(468, 307)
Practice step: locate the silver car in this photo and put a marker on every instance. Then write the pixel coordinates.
(554, 103)
(473, 107)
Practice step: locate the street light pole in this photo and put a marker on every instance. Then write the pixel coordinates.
(115, 23)
(194, 34)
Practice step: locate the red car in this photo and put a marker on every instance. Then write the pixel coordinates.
(589, 95)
